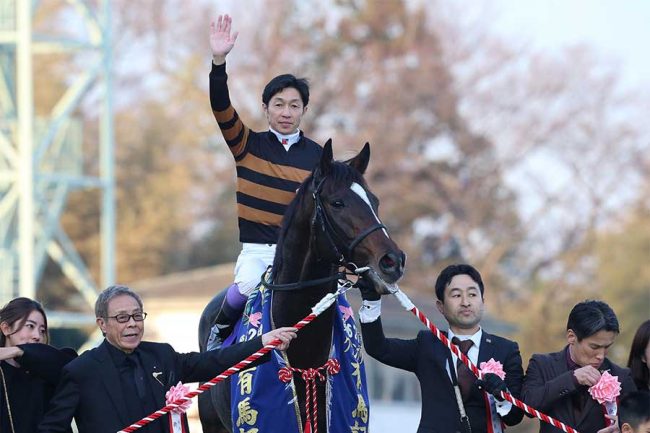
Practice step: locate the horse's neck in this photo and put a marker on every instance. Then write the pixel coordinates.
(299, 261)
(301, 264)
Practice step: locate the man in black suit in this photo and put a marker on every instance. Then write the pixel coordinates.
(124, 379)
(557, 383)
(451, 397)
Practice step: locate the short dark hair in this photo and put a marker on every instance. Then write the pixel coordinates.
(637, 367)
(101, 305)
(284, 81)
(633, 409)
(450, 272)
(589, 317)
(16, 311)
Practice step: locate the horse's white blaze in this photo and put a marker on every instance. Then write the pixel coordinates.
(358, 190)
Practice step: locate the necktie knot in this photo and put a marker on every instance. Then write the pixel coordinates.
(464, 345)
(128, 360)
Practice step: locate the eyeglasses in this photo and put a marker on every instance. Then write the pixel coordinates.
(123, 318)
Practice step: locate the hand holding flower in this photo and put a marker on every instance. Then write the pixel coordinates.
(493, 366)
(607, 389)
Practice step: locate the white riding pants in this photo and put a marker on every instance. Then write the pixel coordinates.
(251, 265)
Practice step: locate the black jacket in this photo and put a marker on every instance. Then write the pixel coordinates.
(31, 386)
(549, 387)
(91, 392)
(427, 357)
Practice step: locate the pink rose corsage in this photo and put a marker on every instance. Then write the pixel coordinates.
(605, 393)
(493, 366)
(607, 388)
(176, 392)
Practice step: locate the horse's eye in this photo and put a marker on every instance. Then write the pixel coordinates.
(338, 203)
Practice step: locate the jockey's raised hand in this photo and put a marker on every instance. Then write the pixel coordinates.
(221, 41)
(284, 334)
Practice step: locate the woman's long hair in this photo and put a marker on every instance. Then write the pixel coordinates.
(17, 311)
(636, 364)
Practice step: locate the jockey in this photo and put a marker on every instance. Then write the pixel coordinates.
(271, 165)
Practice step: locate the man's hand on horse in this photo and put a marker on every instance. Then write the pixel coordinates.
(285, 335)
(367, 288)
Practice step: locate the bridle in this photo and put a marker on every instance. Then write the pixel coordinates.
(321, 223)
(332, 233)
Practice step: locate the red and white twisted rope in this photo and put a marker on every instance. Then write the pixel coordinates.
(408, 305)
(318, 309)
(309, 376)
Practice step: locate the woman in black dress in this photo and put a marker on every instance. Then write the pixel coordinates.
(29, 367)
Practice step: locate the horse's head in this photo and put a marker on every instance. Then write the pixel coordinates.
(345, 219)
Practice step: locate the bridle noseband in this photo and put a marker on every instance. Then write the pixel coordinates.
(322, 223)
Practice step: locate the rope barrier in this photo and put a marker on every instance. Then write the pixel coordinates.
(409, 306)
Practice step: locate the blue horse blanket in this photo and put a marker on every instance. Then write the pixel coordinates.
(262, 403)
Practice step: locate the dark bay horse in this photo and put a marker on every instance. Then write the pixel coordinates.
(331, 224)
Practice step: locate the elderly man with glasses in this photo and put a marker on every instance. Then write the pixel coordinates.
(124, 378)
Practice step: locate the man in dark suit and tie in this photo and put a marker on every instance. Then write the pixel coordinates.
(124, 379)
(451, 397)
(557, 383)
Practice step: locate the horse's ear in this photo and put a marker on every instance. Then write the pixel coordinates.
(360, 162)
(325, 165)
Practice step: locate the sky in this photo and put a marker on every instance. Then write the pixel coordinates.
(619, 30)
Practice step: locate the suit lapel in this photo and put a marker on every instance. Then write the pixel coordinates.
(111, 380)
(558, 367)
(442, 357)
(156, 381)
(486, 350)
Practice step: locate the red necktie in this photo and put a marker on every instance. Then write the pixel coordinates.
(465, 377)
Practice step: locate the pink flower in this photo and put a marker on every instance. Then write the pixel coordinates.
(176, 392)
(347, 312)
(607, 388)
(255, 318)
(493, 366)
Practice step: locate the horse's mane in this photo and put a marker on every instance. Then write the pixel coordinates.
(340, 175)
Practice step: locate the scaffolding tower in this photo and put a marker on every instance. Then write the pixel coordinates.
(41, 159)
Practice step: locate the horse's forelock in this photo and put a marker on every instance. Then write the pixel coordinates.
(342, 176)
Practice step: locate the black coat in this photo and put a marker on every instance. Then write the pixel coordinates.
(549, 387)
(91, 391)
(31, 386)
(427, 357)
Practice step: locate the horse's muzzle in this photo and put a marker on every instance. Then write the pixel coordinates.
(391, 266)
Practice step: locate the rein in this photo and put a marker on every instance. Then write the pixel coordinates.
(302, 284)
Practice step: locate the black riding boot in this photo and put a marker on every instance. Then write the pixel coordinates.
(225, 320)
